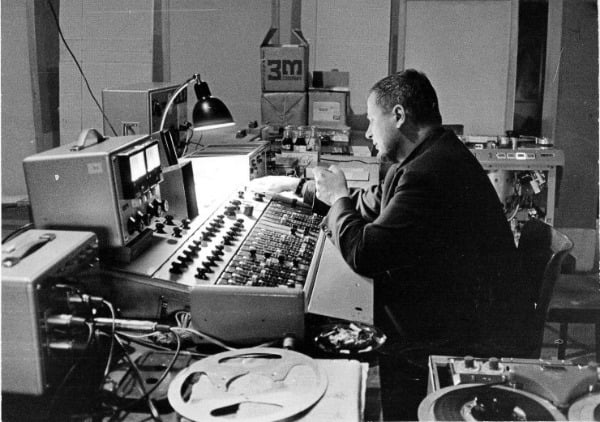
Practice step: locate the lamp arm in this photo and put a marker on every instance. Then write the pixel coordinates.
(181, 87)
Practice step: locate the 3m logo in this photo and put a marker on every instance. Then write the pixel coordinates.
(284, 70)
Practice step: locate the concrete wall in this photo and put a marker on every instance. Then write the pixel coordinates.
(18, 132)
(576, 124)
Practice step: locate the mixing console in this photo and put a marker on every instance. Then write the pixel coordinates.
(253, 242)
(246, 271)
(278, 251)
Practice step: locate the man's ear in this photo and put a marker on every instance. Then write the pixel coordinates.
(400, 114)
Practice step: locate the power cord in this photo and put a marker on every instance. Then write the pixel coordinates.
(87, 84)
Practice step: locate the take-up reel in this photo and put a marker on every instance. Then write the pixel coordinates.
(510, 389)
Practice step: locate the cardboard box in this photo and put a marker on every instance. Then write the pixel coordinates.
(284, 67)
(330, 79)
(327, 108)
(283, 108)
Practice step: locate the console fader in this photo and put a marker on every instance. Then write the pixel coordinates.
(248, 242)
(278, 251)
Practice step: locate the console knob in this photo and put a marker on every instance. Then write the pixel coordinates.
(494, 364)
(169, 220)
(230, 210)
(160, 228)
(185, 258)
(152, 210)
(177, 231)
(201, 273)
(147, 218)
(207, 265)
(469, 362)
(235, 202)
(258, 196)
(185, 223)
(134, 225)
(248, 210)
(177, 267)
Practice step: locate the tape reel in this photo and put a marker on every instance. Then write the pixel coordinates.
(459, 403)
(586, 408)
(252, 385)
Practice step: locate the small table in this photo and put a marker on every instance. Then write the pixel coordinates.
(575, 299)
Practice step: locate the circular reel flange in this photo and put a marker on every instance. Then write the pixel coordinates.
(586, 408)
(258, 384)
(455, 403)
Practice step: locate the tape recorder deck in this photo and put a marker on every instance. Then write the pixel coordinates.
(510, 389)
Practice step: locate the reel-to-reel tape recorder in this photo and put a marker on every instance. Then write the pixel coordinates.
(510, 390)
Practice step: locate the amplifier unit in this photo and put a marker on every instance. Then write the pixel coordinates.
(110, 187)
(33, 358)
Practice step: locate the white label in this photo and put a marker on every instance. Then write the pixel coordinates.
(94, 168)
(326, 111)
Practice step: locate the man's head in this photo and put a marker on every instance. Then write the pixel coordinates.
(400, 108)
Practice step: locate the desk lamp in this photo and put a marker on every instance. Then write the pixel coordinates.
(209, 112)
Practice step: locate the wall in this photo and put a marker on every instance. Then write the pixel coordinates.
(112, 41)
(349, 36)
(472, 66)
(576, 121)
(18, 133)
(221, 41)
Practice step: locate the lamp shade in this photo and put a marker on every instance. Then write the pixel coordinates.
(209, 112)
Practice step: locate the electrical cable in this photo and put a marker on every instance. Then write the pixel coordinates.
(168, 369)
(329, 160)
(62, 37)
(203, 335)
(140, 382)
(152, 345)
(69, 373)
(112, 341)
(17, 232)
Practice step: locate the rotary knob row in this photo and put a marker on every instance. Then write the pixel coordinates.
(188, 255)
(168, 221)
(140, 220)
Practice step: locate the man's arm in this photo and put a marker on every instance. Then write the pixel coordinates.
(400, 235)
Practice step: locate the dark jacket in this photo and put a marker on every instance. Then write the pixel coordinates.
(435, 239)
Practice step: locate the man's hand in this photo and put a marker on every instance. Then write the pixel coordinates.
(331, 184)
(274, 184)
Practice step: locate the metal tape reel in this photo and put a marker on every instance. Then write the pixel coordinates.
(456, 403)
(586, 408)
(252, 385)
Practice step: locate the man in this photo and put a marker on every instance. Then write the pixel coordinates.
(432, 235)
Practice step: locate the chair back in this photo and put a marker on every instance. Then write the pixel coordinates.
(542, 250)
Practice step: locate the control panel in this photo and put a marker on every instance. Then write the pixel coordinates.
(248, 241)
(35, 357)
